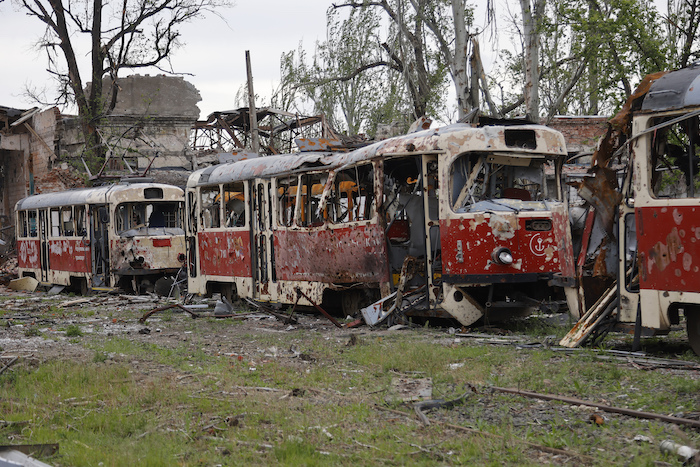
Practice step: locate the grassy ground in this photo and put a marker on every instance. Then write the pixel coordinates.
(240, 392)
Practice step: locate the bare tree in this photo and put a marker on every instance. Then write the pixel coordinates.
(532, 11)
(130, 34)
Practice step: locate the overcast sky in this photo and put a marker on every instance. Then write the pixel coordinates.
(213, 56)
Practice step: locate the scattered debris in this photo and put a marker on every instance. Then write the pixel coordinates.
(606, 408)
(596, 419)
(419, 407)
(684, 453)
(411, 389)
(8, 365)
(20, 455)
(538, 447)
(323, 312)
(186, 308)
(26, 284)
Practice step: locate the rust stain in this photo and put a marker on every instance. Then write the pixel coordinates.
(504, 226)
(662, 255)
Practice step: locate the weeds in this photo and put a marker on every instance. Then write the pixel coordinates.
(74, 330)
(218, 395)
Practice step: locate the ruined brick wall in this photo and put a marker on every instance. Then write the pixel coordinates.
(580, 132)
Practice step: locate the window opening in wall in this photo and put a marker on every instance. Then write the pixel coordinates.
(310, 214)
(141, 218)
(32, 223)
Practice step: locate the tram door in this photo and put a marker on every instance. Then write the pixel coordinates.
(100, 246)
(44, 244)
(264, 275)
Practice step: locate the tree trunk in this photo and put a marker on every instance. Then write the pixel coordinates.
(531, 56)
(459, 67)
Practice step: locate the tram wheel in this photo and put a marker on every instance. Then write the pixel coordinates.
(692, 321)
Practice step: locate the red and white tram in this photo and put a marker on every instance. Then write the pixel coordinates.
(127, 235)
(659, 228)
(464, 222)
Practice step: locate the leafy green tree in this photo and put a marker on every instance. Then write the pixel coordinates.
(348, 78)
(590, 54)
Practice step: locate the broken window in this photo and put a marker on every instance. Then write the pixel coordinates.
(22, 225)
(310, 214)
(352, 195)
(286, 199)
(234, 195)
(55, 222)
(136, 218)
(674, 160)
(505, 178)
(211, 210)
(32, 223)
(80, 223)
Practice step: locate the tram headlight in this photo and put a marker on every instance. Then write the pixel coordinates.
(502, 256)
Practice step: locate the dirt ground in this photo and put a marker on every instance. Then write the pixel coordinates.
(36, 326)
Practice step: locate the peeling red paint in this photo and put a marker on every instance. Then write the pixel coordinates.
(668, 264)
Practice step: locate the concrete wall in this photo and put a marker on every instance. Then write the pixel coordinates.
(27, 152)
(165, 96)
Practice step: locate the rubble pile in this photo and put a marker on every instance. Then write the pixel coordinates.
(8, 270)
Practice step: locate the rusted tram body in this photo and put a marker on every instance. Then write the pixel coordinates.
(128, 235)
(659, 228)
(462, 222)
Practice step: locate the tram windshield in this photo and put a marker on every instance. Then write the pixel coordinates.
(489, 182)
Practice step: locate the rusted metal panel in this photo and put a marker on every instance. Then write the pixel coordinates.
(146, 253)
(339, 255)
(261, 167)
(562, 237)
(225, 253)
(459, 138)
(70, 255)
(670, 258)
(601, 192)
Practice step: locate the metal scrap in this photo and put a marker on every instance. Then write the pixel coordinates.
(603, 407)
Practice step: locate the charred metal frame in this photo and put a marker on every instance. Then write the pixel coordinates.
(225, 131)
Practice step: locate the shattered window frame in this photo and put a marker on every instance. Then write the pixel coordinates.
(210, 207)
(673, 159)
(235, 205)
(310, 212)
(286, 199)
(475, 177)
(351, 197)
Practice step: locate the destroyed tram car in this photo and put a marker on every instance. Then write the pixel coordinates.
(127, 235)
(651, 266)
(464, 222)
